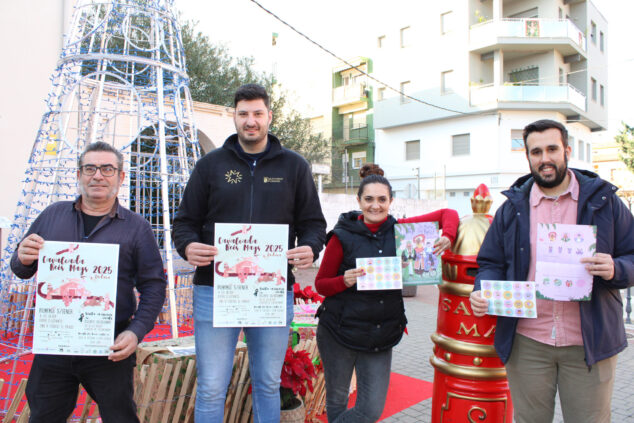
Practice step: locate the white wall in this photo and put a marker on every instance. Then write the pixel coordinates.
(32, 32)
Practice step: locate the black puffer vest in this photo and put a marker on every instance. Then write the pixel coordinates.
(364, 320)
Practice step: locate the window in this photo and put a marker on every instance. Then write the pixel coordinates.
(412, 150)
(452, 193)
(447, 82)
(561, 13)
(602, 95)
(405, 37)
(517, 140)
(589, 153)
(358, 159)
(562, 77)
(581, 149)
(405, 87)
(358, 119)
(526, 76)
(446, 22)
(466, 194)
(460, 145)
(593, 32)
(593, 83)
(571, 143)
(601, 40)
(380, 93)
(381, 41)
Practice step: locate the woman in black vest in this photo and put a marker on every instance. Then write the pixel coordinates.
(357, 329)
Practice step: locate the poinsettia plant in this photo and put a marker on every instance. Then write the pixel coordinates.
(298, 372)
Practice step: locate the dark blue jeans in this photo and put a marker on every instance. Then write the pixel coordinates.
(373, 377)
(54, 382)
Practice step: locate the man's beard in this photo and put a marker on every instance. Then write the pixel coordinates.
(560, 175)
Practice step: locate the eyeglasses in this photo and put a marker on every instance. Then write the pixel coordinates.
(90, 170)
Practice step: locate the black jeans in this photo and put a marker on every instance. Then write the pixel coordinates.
(373, 378)
(54, 383)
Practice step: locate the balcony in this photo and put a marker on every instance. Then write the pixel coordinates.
(348, 94)
(527, 35)
(355, 135)
(543, 95)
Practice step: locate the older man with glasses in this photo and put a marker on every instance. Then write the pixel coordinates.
(97, 217)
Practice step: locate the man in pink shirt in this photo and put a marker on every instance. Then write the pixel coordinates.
(571, 347)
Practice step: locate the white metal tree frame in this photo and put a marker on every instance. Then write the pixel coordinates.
(121, 79)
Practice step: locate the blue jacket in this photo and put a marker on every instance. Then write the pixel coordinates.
(505, 255)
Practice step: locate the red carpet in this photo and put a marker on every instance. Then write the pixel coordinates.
(403, 392)
(23, 364)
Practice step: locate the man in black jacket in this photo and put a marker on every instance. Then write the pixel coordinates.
(96, 217)
(250, 179)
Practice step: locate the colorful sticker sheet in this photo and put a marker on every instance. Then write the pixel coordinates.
(76, 298)
(380, 273)
(415, 247)
(250, 273)
(559, 273)
(510, 298)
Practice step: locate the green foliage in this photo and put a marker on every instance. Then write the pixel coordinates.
(215, 76)
(295, 131)
(625, 140)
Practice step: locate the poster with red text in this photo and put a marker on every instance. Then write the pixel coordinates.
(250, 272)
(76, 298)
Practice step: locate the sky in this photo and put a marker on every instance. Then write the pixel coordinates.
(348, 28)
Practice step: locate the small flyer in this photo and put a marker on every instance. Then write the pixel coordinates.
(304, 314)
(76, 298)
(415, 247)
(559, 274)
(250, 273)
(380, 273)
(510, 298)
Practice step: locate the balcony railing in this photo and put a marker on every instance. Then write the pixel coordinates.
(538, 28)
(348, 94)
(355, 133)
(488, 94)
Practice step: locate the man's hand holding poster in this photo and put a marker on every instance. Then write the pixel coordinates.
(76, 298)
(250, 272)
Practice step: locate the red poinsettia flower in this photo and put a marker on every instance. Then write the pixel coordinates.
(298, 372)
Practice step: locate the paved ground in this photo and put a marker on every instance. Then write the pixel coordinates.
(411, 357)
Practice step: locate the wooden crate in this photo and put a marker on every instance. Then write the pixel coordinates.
(166, 383)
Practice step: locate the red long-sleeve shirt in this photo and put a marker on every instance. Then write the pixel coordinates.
(328, 283)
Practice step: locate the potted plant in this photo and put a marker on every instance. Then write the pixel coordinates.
(298, 372)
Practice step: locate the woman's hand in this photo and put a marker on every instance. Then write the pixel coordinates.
(441, 245)
(350, 276)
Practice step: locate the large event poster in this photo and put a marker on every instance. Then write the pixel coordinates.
(415, 246)
(250, 275)
(76, 296)
(558, 272)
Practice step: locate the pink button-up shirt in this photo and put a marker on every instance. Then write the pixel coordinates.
(558, 323)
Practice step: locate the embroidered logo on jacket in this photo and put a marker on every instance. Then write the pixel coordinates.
(270, 180)
(233, 176)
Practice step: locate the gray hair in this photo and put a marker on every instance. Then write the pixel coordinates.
(102, 146)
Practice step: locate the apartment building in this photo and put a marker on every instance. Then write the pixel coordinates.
(352, 123)
(492, 66)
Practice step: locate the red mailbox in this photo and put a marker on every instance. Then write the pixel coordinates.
(469, 379)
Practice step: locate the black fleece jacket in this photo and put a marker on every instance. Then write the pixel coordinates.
(223, 188)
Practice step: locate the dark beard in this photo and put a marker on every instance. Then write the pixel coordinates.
(560, 175)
